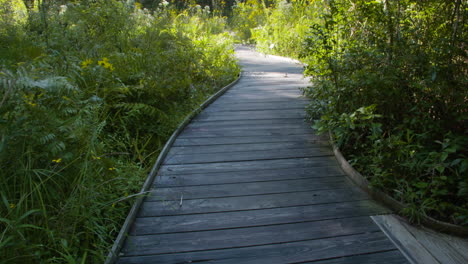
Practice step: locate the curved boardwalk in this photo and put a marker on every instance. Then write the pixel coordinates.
(248, 181)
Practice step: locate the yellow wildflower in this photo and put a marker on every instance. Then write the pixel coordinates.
(29, 99)
(106, 64)
(12, 205)
(112, 168)
(57, 160)
(86, 63)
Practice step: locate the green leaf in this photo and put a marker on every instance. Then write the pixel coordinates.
(440, 168)
(444, 156)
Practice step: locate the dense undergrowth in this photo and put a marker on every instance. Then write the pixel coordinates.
(90, 92)
(389, 81)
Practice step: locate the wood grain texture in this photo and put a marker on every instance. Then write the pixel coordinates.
(247, 165)
(191, 179)
(423, 245)
(246, 237)
(163, 206)
(257, 132)
(249, 181)
(247, 155)
(244, 147)
(255, 217)
(250, 188)
(301, 251)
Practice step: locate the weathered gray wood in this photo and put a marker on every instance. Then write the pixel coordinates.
(246, 140)
(247, 155)
(254, 125)
(387, 257)
(422, 245)
(251, 115)
(244, 147)
(244, 123)
(235, 103)
(255, 106)
(247, 165)
(444, 248)
(248, 181)
(272, 99)
(300, 129)
(246, 133)
(191, 179)
(292, 252)
(253, 202)
(259, 217)
(404, 240)
(267, 88)
(271, 83)
(250, 188)
(262, 94)
(246, 236)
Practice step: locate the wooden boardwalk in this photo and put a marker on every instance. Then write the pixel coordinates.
(248, 181)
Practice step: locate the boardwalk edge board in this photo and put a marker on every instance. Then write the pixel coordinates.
(114, 252)
(389, 201)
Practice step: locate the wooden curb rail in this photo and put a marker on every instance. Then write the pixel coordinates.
(118, 243)
(389, 201)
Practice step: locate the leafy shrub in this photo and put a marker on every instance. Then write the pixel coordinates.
(410, 70)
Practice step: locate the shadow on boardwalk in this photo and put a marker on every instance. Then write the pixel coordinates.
(248, 181)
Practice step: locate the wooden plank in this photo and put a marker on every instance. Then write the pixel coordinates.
(271, 83)
(406, 242)
(250, 115)
(260, 88)
(256, 106)
(249, 188)
(246, 165)
(278, 93)
(246, 128)
(423, 245)
(247, 140)
(263, 100)
(387, 257)
(244, 147)
(445, 248)
(267, 88)
(253, 202)
(191, 179)
(246, 82)
(236, 219)
(264, 97)
(243, 123)
(247, 236)
(246, 155)
(200, 133)
(294, 252)
(232, 103)
(254, 112)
